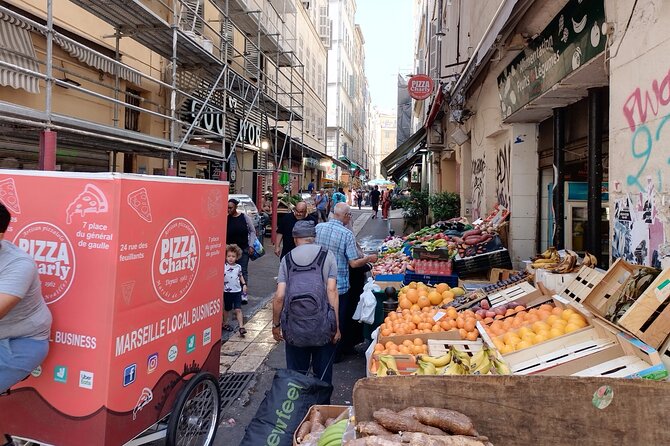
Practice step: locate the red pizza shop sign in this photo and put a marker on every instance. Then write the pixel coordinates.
(420, 87)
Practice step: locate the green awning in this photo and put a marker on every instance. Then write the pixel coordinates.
(400, 170)
(404, 151)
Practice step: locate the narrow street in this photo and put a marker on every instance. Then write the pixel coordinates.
(260, 355)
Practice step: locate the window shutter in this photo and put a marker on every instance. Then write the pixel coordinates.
(251, 60)
(191, 16)
(433, 49)
(228, 40)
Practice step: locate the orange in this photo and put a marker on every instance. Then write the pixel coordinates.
(389, 344)
(447, 295)
(412, 285)
(405, 303)
(423, 302)
(435, 298)
(469, 325)
(387, 332)
(415, 308)
(379, 348)
(442, 287)
(557, 311)
(416, 318)
(460, 322)
(463, 333)
(546, 307)
(407, 343)
(445, 325)
(413, 295)
(435, 328)
(418, 341)
(472, 335)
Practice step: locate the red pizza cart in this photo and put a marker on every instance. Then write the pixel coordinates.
(132, 271)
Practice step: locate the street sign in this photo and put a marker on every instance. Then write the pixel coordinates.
(233, 167)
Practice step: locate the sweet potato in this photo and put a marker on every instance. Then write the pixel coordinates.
(418, 439)
(467, 234)
(372, 428)
(445, 419)
(399, 423)
(316, 417)
(304, 429)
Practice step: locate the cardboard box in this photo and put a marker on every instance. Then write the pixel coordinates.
(406, 364)
(326, 411)
(664, 352)
(498, 274)
(608, 288)
(132, 271)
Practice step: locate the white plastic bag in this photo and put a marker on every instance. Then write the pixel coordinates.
(365, 311)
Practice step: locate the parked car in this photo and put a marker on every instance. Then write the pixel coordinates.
(247, 206)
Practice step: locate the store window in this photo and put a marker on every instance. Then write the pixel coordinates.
(132, 119)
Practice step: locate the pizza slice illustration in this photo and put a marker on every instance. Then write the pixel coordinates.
(139, 201)
(145, 398)
(127, 291)
(91, 201)
(8, 195)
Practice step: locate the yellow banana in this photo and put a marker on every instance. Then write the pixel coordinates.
(437, 362)
(478, 358)
(463, 357)
(389, 362)
(382, 370)
(500, 367)
(454, 368)
(426, 368)
(482, 367)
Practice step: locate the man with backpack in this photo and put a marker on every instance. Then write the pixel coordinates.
(305, 306)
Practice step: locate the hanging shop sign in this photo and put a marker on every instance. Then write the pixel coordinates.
(233, 167)
(249, 132)
(420, 87)
(571, 39)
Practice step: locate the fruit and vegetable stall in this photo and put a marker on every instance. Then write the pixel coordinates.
(467, 357)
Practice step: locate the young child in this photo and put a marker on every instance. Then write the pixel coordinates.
(234, 285)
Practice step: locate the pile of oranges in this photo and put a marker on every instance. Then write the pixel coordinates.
(416, 296)
(536, 325)
(407, 322)
(408, 347)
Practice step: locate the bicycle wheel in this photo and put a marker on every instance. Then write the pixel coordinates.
(195, 415)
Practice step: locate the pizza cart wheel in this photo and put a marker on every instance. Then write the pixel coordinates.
(195, 415)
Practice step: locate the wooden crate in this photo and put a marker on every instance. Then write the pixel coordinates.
(628, 357)
(406, 364)
(649, 317)
(326, 411)
(398, 339)
(523, 291)
(664, 352)
(608, 288)
(438, 347)
(563, 410)
(582, 285)
(553, 282)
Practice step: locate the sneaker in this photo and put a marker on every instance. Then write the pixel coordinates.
(245, 298)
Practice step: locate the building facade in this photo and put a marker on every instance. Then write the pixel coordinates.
(347, 89)
(537, 95)
(105, 88)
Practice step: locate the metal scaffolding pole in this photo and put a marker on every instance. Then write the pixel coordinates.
(173, 92)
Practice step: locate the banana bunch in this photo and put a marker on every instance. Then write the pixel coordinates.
(387, 366)
(548, 258)
(590, 260)
(333, 434)
(566, 265)
(457, 362)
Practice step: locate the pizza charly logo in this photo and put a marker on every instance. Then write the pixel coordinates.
(175, 261)
(52, 251)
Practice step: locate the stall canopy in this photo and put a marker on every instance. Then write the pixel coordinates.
(403, 153)
(16, 48)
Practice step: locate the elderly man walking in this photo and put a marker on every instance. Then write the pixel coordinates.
(305, 305)
(285, 229)
(338, 239)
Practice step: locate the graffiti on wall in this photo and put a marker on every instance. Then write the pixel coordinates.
(637, 228)
(647, 139)
(478, 172)
(503, 173)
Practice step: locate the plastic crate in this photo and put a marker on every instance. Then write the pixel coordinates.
(431, 279)
(483, 263)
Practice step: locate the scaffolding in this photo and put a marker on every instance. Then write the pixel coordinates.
(212, 86)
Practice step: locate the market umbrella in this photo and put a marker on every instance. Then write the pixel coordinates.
(380, 182)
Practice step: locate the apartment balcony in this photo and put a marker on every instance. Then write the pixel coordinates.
(274, 21)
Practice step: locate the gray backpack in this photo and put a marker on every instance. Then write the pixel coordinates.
(308, 319)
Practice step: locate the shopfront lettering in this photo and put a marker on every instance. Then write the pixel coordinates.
(52, 258)
(250, 133)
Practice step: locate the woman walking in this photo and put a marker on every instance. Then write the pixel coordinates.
(241, 232)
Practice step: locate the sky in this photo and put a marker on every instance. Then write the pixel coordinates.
(388, 30)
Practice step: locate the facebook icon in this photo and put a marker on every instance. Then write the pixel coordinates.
(129, 374)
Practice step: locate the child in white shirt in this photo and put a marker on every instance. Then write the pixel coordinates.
(234, 285)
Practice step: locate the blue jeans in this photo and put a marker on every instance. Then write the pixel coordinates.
(320, 358)
(19, 357)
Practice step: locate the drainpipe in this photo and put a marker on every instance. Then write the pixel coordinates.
(595, 174)
(559, 178)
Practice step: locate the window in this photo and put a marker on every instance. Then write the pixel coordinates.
(132, 120)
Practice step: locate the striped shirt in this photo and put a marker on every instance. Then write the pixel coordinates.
(339, 240)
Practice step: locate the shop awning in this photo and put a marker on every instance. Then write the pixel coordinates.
(16, 48)
(96, 60)
(400, 170)
(404, 150)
